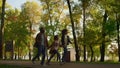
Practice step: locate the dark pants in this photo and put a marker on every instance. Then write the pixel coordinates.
(41, 50)
(53, 54)
(64, 54)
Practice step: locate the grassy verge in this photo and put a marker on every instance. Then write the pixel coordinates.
(9, 66)
(106, 62)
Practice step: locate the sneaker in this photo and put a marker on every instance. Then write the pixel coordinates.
(33, 62)
(43, 65)
(47, 63)
(62, 63)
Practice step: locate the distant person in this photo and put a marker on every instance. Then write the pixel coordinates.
(54, 49)
(65, 40)
(41, 45)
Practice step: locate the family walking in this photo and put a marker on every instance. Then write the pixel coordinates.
(41, 43)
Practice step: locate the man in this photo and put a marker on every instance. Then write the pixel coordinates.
(41, 45)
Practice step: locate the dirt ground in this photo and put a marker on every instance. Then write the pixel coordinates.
(29, 64)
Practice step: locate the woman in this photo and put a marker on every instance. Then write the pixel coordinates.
(65, 40)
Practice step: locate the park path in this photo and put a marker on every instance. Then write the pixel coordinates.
(28, 64)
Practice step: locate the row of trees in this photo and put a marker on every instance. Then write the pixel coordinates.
(94, 25)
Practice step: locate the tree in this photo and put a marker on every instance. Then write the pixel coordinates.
(93, 30)
(52, 15)
(2, 28)
(77, 15)
(85, 4)
(16, 29)
(116, 10)
(31, 14)
(118, 37)
(107, 7)
(102, 48)
(73, 31)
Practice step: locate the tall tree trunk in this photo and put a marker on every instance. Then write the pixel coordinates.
(92, 53)
(118, 38)
(73, 31)
(84, 18)
(30, 40)
(102, 47)
(18, 53)
(2, 28)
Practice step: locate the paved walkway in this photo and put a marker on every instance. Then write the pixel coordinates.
(28, 64)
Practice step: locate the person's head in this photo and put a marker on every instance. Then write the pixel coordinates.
(42, 29)
(64, 31)
(56, 37)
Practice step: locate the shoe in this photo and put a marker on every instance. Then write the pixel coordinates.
(62, 63)
(47, 63)
(33, 62)
(43, 65)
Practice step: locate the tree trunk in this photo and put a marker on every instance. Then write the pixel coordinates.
(117, 20)
(2, 28)
(73, 31)
(102, 47)
(18, 53)
(30, 44)
(92, 53)
(84, 18)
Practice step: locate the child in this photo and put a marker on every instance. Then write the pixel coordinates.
(54, 49)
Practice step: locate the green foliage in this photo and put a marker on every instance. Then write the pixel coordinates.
(31, 11)
(0, 8)
(16, 30)
(54, 16)
(111, 28)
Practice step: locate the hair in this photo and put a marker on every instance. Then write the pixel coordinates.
(64, 31)
(56, 37)
(42, 29)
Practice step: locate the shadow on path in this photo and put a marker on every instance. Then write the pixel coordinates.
(28, 64)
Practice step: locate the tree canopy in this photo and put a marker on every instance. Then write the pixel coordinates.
(93, 25)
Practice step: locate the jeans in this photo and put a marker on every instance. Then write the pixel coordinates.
(41, 50)
(52, 55)
(64, 54)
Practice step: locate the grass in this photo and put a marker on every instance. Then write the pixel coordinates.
(9, 66)
(106, 62)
